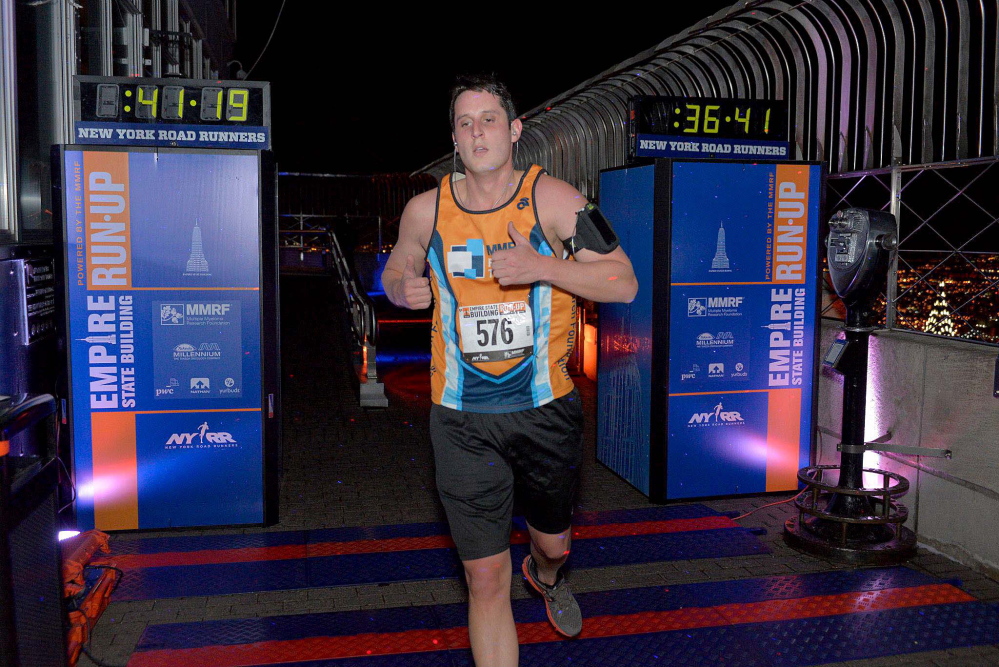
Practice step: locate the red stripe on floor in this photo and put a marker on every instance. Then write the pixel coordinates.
(418, 641)
(287, 552)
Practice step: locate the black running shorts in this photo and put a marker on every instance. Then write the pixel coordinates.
(480, 457)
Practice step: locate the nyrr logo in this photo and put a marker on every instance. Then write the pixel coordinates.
(204, 435)
(467, 261)
(718, 417)
(523, 203)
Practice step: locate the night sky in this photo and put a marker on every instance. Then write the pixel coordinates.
(370, 94)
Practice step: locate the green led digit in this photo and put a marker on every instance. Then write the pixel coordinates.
(711, 122)
(766, 123)
(147, 106)
(236, 107)
(743, 119)
(695, 118)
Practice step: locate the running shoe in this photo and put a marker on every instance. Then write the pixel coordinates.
(563, 612)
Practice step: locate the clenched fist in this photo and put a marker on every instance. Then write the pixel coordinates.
(519, 265)
(414, 290)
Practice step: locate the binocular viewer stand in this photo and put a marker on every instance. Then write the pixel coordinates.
(839, 517)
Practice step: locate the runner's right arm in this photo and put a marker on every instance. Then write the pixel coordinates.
(403, 279)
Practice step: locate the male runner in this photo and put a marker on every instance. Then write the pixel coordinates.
(505, 410)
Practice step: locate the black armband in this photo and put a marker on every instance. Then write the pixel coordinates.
(593, 232)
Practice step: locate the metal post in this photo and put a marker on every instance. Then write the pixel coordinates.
(8, 630)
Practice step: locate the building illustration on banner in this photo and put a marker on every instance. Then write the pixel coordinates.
(720, 264)
(197, 265)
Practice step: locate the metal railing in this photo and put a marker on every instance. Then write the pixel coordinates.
(945, 276)
(357, 306)
(890, 95)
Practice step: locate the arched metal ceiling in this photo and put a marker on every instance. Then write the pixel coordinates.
(868, 82)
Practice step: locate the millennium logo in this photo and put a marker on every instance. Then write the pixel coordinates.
(197, 265)
(205, 351)
(721, 339)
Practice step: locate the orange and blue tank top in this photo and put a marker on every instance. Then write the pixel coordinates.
(494, 348)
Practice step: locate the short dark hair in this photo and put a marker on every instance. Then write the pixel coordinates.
(483, 83)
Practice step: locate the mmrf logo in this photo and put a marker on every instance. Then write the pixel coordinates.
(208, 308)
(179, 314)
(201, 436)
(172, 314)
(714, 306)
(718, 416)
(467, 261)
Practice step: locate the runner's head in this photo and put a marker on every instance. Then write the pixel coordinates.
(484, 83)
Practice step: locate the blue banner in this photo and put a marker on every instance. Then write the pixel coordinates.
(706, 381)
(660, 145)
(742, 315)
(163, 299)
(172, 135)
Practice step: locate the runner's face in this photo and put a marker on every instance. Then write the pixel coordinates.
(484, 135)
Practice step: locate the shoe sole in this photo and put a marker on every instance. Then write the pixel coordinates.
(548, 611)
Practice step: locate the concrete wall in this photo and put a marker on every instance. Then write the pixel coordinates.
(930, 392)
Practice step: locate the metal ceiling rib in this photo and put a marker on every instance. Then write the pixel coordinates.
(867, 82)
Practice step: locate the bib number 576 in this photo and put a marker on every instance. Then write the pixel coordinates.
(488, 329)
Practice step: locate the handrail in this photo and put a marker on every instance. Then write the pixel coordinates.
(361, 309)
(364, 325)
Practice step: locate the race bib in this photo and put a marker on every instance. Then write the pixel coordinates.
(496, 331)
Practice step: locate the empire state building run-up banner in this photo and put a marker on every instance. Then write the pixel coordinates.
(742, 315)
(163, 273)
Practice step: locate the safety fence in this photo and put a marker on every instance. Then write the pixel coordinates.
(896, 98)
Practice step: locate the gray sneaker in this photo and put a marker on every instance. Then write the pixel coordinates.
(563, 612)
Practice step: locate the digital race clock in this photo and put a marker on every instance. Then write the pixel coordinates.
(708, 127)
(171, 112)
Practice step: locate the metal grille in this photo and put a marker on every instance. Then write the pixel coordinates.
(945, 280)
(363, 210)
(948, 258)
(871, 85)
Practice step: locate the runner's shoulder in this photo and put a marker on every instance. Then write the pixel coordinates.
(556, 192)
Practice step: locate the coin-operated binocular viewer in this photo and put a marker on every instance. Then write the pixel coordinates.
(843, 519)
